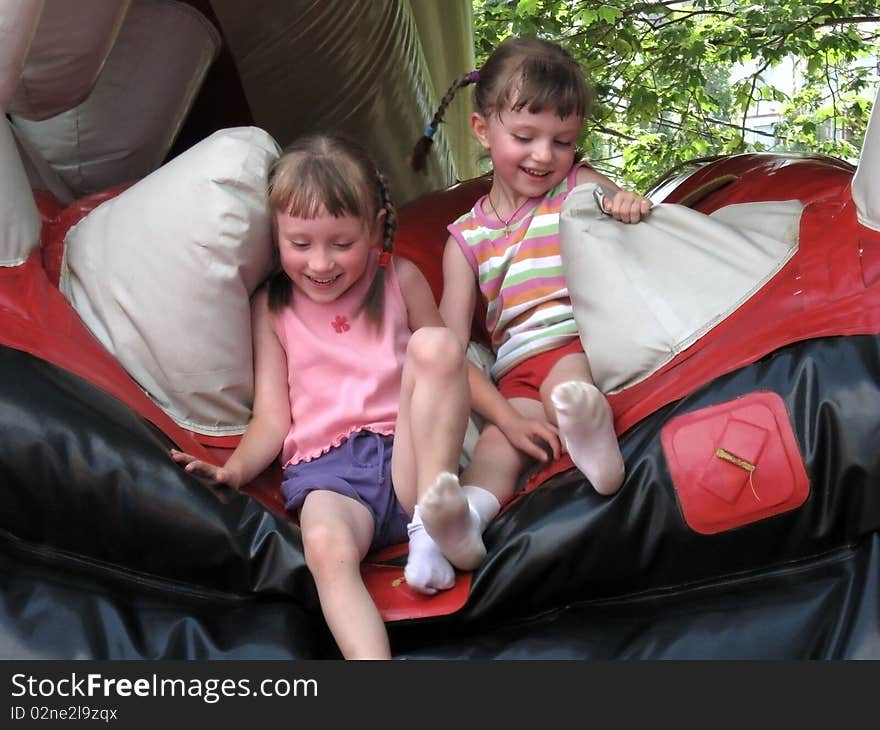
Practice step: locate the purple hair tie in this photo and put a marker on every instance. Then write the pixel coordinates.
(473, 77)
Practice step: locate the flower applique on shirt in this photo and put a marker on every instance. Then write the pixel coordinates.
(340, 324)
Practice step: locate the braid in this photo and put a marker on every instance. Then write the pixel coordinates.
(418, 159)
(390, 213)
(373, 302)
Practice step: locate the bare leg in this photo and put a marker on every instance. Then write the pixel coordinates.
(497, 465)
(457, 517)
(337, 533)
(434, 408)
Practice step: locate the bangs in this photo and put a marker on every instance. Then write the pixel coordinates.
(306, 187)
(541, 84)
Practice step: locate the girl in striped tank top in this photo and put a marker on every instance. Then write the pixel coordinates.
(530, 99)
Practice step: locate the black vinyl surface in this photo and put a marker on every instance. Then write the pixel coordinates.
(108, 550)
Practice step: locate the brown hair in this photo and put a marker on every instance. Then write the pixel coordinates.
(521, 73)
(324, 172)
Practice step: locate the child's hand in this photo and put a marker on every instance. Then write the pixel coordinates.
(204, 469)
(529, 434)
(626, 206)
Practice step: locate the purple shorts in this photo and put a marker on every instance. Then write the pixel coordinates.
(359, 468)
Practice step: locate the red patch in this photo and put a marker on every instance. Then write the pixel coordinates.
(340, 324)
(735, 462)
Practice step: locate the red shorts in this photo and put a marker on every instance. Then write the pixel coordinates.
(524, 380)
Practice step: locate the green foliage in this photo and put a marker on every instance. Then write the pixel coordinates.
(676, 81)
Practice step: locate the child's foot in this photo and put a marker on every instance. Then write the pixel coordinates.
(587, 429)
(427, 571)
(453, 523)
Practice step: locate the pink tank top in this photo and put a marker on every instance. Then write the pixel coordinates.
(343, 371)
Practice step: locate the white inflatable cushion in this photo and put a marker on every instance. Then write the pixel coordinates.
(41, 175)
(69, 48)
(643, 293)
(19, 219)
(162, 275)
(19, 20)
(866, 181)
(126, 126)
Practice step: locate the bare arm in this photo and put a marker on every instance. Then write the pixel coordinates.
(270, 422)
(420, 305)
(623, 205)
(457, 309)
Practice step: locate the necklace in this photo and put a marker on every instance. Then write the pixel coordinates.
(506, 223)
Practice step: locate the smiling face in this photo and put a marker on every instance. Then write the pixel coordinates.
(326, 255)
(531, 151)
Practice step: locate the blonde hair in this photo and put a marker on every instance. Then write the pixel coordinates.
(325, 172)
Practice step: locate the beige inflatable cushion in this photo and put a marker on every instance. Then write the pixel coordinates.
(162, 275)
(643, 293)
(19, 220)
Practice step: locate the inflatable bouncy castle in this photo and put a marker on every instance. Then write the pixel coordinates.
(735, 333)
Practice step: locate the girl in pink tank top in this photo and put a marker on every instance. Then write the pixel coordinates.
(360, 389)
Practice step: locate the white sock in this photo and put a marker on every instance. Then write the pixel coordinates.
(455, 524)
(587, 428)
(427, 571)
(483, 503)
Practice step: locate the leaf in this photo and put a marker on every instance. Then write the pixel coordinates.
(527, 7)
(673, 80)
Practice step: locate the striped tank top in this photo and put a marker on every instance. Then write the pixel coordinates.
(528, 309)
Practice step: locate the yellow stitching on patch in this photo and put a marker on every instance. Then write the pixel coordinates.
(735, 460)
(742, 464)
